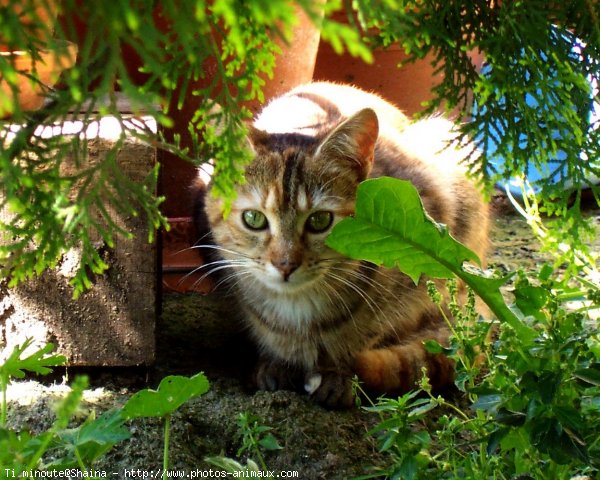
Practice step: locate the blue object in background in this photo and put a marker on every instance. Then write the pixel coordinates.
(555, 169)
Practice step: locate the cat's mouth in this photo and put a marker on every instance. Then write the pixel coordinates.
(295, 282)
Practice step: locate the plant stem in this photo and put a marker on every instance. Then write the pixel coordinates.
(3, 414)
(167, 432)
(80, 462)
(47, 438)
(258, 454)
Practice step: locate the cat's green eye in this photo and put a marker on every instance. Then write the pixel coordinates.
(255, 219)
(320, 221)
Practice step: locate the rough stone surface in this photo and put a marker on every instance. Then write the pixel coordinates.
(113, 323)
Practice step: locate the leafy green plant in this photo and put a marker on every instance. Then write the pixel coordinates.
(534, 99)
(532, 392)
(21, 451)
(255, 438)
(15, 366)
(54, 195)
(81, 446)
(530, 410)
(172, 392)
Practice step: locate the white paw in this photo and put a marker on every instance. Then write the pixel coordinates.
(312, 383)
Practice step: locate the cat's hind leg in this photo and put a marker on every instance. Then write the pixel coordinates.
(398, 368)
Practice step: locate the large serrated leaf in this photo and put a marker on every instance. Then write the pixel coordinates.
(391, 228)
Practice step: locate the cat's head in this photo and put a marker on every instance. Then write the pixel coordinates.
(296, 189)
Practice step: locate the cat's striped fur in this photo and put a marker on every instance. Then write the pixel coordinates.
(318, 317)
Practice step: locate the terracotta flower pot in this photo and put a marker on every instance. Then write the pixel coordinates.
(407, 87)
(36, 17)
(293, 67)
(296, 63)
(35, 76)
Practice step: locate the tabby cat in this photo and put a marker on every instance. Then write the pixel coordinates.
(317, 317)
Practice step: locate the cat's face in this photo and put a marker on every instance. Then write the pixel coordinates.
(296, 190)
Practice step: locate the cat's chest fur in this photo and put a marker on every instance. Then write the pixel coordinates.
(289, 312)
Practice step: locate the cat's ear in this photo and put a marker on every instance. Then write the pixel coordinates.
(256, 138)
(215, 120)
(352, 143)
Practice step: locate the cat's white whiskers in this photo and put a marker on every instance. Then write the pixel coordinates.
(243, 261)
(361, 277)
(223, 266)
(196, 245)
(238, 275)
(220, 249)
(351, 268)
(364, 295)
(203, 237)
(327, 287)
(204, 276)
(338, 264)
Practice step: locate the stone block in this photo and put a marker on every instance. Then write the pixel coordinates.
(112, 324)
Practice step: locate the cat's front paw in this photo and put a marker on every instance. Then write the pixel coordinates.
(330, 388)
(272, 375)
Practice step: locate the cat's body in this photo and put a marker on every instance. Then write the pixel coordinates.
(318, 317)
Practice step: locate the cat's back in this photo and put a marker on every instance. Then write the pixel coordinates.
(315, 108)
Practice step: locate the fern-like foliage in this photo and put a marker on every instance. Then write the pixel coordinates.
(53, 196)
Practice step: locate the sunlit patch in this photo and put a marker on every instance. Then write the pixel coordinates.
(271, 200)
(249, 200)
(302, 199)
(30, 392)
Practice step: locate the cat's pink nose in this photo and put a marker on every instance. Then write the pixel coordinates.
(286, 267)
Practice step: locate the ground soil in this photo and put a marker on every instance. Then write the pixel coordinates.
(197, 333)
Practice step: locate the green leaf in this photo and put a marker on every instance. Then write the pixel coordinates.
(391, 228)
(38, 362)
(91, 440)
(408, 468)
(172, 392)
(531, 300)
(488, 402)
(589, 375)
(269, 442)
(563, 446)
(433, 346)
(421, 410)
(506, 417)
(16, 449)
(494, 440)
(570, 418)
